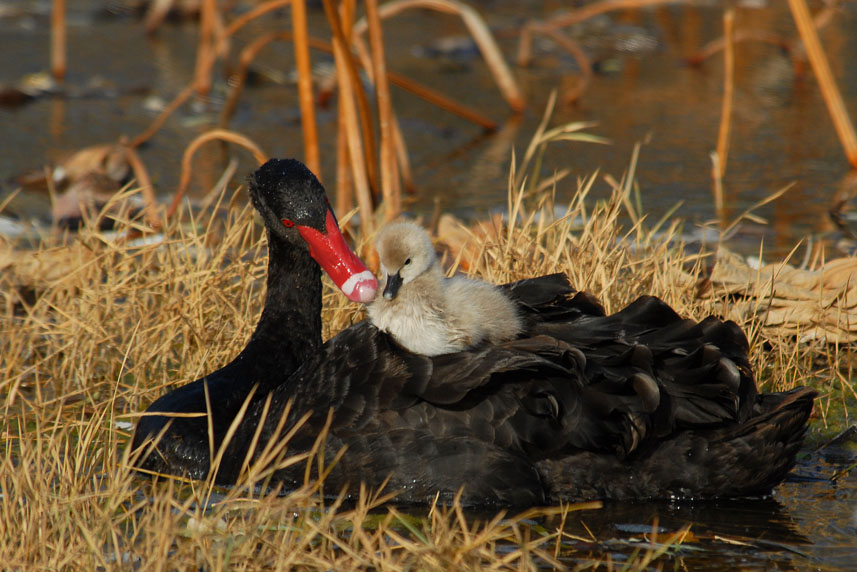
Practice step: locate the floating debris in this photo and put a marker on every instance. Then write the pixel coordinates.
(813, 305)
(42, 84)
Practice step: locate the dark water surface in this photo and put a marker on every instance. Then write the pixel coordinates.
(642, 92)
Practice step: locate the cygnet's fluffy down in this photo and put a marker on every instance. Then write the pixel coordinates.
(427, 313)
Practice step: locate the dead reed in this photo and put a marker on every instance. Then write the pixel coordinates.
(58, 39)
(826, 82)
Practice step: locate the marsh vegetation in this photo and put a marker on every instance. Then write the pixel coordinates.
(97, 324)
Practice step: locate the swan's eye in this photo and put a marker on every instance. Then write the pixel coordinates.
(287, 223)
(408, 261)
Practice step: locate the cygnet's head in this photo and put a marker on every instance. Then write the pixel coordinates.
(406, 251)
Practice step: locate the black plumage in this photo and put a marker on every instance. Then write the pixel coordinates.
(638, 404)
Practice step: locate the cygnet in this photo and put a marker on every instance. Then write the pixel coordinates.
(428, 313)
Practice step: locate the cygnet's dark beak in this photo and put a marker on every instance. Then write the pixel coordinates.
(394, 282)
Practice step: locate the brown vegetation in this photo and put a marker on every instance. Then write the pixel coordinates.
(93, 329)
(118, 323)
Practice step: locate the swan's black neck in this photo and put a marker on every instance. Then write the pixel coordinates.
(289, 330)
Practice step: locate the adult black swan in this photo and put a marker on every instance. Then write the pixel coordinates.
(638, 404)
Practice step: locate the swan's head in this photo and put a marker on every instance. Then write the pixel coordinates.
(296, 210)
(406, 252)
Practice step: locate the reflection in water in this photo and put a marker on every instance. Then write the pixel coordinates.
(722, 532)
(484, 160)
(805, 526)
(809, 523)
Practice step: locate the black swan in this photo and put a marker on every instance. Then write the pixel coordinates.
(638, 404)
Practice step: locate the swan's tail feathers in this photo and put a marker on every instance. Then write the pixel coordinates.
(747, 458)
(763, 449)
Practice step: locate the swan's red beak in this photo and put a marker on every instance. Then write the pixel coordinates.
(334, 256)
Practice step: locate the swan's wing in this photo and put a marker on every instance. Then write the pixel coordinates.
(366, 365)
(551, 298)
(540, 291)
(430, 424)
(693, 373)
(698, 372)
(598, 383)
(526, 395)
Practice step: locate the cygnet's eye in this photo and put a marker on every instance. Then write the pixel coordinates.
(408, 261)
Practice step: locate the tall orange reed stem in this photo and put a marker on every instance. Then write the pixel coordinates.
(58, 39)
(481, 35)
(205, 48)
(391, 188)
(302, 58)
(348, 84)
(832, 97)
(728, 89)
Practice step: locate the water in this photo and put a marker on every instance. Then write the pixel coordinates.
(782, 136)
(643, 92)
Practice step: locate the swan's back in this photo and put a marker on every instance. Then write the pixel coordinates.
(642, 407)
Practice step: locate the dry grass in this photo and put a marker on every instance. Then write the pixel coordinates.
(93, 329)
